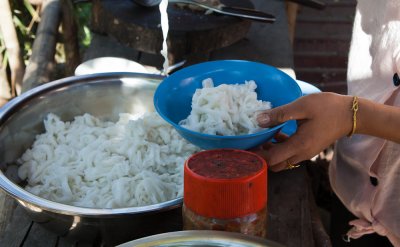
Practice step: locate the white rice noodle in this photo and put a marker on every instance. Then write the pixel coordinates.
(226, 110)
(97, 164)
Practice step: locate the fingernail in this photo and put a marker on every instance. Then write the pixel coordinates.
(263, 119)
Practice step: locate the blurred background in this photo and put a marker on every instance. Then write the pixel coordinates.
(63, 30)
(320, 39)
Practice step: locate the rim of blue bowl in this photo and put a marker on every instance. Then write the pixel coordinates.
(258, 133)
(196, 133)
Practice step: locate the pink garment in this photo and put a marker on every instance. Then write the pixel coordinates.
(373, 59)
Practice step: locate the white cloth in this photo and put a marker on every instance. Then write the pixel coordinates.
(373, 59)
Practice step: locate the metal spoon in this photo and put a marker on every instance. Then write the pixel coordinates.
(246, 13)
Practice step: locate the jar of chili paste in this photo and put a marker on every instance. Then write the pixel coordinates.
(225, 189)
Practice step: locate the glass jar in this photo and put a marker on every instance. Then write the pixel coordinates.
(225, 189)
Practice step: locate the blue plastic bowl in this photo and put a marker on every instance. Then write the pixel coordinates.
(173, 97)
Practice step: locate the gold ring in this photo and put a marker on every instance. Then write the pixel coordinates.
(290, 165)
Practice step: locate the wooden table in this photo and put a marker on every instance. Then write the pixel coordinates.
(292, 215)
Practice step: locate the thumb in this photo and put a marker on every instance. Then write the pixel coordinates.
(280, 114)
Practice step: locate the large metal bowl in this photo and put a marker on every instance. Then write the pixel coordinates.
(201, 238)
(104, 96)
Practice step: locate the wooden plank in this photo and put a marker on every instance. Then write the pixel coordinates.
(62, 242)
(22, 232)
(289, 208)
(7, 206)
(84, 245)
(17, 229)
(40, 237)
(41, 61)
(321, 237)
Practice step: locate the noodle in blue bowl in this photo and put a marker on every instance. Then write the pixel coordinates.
(173, 98)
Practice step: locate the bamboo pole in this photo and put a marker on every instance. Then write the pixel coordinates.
(41, 62)
(5, 89)
(10, 38)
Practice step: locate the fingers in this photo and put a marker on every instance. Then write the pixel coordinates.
(277, 155)
(293, 150)
(280, 137)
(287, 164)
(278, 115)
(268, 150)
(276, 167)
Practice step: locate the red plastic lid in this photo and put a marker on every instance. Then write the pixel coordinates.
(225, 183)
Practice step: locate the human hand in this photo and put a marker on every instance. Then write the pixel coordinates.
(322, 118)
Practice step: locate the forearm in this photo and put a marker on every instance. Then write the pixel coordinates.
(378, 120)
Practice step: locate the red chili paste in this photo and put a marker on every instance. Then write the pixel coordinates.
(225, 165)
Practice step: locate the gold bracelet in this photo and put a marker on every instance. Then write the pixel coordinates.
(354, 108)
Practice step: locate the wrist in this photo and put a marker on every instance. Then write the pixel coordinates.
(369, 118)
(366, 111)
(346, 116)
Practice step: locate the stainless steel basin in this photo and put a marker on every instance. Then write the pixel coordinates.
(104, 96)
